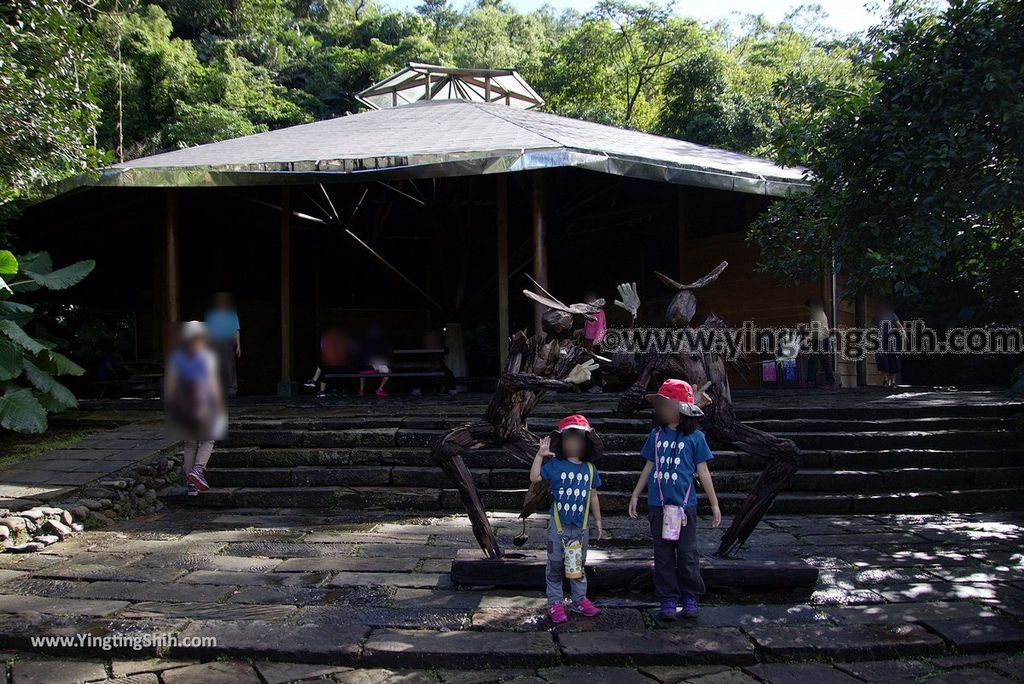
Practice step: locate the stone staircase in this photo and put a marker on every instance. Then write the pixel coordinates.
(863, 453)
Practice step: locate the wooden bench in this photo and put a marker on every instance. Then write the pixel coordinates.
(396, 367)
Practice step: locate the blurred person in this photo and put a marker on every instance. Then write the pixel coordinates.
(820, 341)
(195, 402)
(891, 333)
(376, 351)
(225, 337)
(334, 358)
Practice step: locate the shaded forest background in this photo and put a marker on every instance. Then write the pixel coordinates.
(911, 131)
(162, 75)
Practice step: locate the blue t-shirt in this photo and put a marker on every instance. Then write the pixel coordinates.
(675, 458)
(222, 324)
(570, 483)
(191, 368)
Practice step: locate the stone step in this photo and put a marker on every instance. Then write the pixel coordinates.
(432, 499)
(401, 437)
(798, 422)
(806, 480)
(255, 457)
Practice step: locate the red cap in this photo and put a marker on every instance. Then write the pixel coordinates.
(575, 422)
(679, 391)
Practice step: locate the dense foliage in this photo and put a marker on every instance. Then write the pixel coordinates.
(912, 132)
(29, 360)
(920, 173)
(124, 78)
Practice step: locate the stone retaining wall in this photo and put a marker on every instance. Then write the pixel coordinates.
(125, 494)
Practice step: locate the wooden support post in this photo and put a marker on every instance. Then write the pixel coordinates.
(172, 286)
(285, 387)
(681, 231)
(540, 243)
(503, 331)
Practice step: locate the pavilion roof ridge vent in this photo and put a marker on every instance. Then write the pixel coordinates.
(419, 82)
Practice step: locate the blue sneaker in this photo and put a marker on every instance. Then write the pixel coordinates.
(690, 608)
(668, 610)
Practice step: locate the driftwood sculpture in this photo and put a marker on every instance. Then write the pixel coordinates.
(542, 363)
(720, 422)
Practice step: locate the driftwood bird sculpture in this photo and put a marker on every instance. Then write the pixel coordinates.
(546, 362)
(720, 422)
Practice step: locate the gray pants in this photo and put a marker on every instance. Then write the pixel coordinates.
(227, 366)
(197, 455)
(555, 573)
(676, 563)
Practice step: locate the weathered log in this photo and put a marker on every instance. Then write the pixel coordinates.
(608, 571)
(720, 422)
(536, 365)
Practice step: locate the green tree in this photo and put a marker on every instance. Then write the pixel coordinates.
(46, 115)
(741, 91)
(157, 93)
(612, 67)
(495, 36)
(918, 175)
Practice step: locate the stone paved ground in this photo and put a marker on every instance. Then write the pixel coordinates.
(299, 594)
(56, 475)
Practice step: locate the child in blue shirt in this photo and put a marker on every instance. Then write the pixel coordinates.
(676, 451)
(574, 484)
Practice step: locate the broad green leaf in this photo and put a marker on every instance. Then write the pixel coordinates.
(20, 337)
(20, 411)
(44, 382)
(8, 263)
(16, 311)
(37, 262)
(48, 402)
(62, 278)
(10, 360)
(56, 363)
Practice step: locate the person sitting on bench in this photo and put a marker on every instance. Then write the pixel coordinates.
(376, 351)
(334, 358)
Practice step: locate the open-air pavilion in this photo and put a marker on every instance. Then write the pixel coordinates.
(418, 216)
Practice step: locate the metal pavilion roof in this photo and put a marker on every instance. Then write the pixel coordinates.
(447, 138)
(418, 82)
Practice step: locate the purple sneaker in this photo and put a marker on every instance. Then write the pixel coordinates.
(690, 609)
(196, 479)
(668, 610)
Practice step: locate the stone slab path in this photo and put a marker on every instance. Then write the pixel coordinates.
(292, 594)
(58, 474)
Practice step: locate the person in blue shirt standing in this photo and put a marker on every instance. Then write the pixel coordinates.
(225, 336)
(574, 484)
(675, 452)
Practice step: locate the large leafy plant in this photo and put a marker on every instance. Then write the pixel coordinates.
(29, 366)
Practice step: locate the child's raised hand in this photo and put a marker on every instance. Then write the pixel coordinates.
(632, 507)
(544, 448)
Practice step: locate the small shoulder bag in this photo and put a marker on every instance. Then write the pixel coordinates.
(572, 550)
